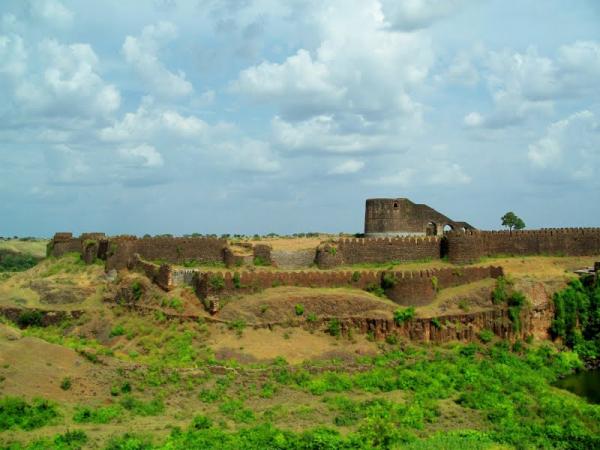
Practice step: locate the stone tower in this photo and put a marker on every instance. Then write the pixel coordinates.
(401, 217)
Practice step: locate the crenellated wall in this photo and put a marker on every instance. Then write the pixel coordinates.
(119, 251)
(377, 250)
(468, 247)
(405, 288)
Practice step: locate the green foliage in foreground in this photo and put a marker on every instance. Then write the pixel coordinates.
(71, 440)
(577, 318)
(17, 413)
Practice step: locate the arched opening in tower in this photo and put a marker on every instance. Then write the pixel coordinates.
(431, 229)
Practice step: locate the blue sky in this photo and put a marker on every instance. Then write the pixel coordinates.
(258, 116)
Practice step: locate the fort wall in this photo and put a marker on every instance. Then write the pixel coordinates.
(409, 288)
(377, 250)
(468, 247)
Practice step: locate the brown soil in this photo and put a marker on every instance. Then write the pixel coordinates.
(33, 367)
(294, 344)
(278, 305)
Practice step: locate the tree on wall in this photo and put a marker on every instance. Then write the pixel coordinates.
(512, 221)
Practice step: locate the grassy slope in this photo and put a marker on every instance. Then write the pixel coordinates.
(35, 248)
(170, 362)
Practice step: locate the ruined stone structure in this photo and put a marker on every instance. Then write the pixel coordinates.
(401, 217)
(469, 247)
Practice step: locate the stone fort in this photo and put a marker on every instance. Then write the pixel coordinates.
(401, 217)
(396, 230)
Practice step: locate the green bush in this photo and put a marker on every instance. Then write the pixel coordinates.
(436, 323)
(16, 262)
(356, 276)
(388, 281)
(136, 290)
(65, 384)
(139, 407)
(100, 415)
(216, 281)
(30, 318)
(486, 336)
(17, 413)
(260, 261)
(334, 327)
(299, 309)
(404, 315)
(376, 289)
(237, 283)
(118, 330)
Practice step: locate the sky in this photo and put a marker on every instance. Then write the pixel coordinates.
(259, 116)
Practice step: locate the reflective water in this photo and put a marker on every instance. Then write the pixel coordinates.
(585, 384)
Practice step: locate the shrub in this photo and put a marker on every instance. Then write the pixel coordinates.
(435, 283)
(237, 283)
(500, 294)
(404, 315)
(391, 339)
(119, 330)
(235, 410)
(142, 408)
(388, 281)
(299, 309)
(201, 423)
(216, 282)
(30, 318)
(65, 384)
(101, 415)
(237, 325)
(334, 327)
(260, 261)
(136, 290)
(375, 289)
(311, 317)
(436, 323)
(486, 336)
(17, 413)
(356, 276)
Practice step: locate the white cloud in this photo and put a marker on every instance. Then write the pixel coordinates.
(569, 148)
(144, 155)
(347, 167)
(353, 92)
(415, 14)
(13, 56)
(142, 53)
(66, 84)
(473, 119)
(526, 84)
(53, 12)
(150, 121)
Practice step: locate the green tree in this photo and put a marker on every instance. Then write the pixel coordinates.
(512, 221)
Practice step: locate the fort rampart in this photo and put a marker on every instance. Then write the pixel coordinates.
(377, 250)
(459, 247)
(470, 246)
(403, 287)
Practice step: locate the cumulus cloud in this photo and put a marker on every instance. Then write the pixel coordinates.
(62, 80)
(414, 14)
(151, 121)
(527, 84)
(52, 12)
(347, 167)
(144, 155)
(352, 92)
(141, 52)
(569, 147)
